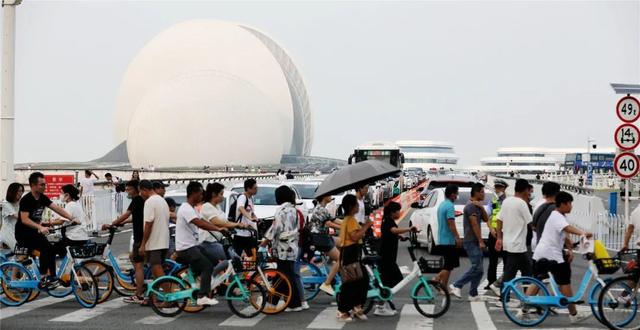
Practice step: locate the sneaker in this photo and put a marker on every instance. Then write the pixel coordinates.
(495, 289)
(579, 317)
(305, 305)
(455, 291)
(294, 309)
(344, 317)
(206, 301)
(327, 289)
(133, 300)
(475, 298)
(382, 310)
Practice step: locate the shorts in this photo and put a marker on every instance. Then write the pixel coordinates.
(561, 271)
(451, 257)
(156, 257)
(135, 255)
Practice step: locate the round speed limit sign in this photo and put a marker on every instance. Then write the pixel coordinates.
(628, 109)
(627, 136)
(626, 165)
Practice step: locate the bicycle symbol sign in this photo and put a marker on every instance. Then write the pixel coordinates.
(627, 136)
(626, 165)
(628, 109)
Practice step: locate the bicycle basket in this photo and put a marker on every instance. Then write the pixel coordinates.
(83, 251)
(430, 266)
(607, 265)
(100, 248)
(629, 260)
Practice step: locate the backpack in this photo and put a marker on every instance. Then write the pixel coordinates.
(234, 207)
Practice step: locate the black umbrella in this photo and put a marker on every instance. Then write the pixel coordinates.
(352, 176)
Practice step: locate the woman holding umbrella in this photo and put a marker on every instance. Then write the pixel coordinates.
(353, 292)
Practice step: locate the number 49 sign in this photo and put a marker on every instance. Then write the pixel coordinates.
(628, 109)
(626, 165)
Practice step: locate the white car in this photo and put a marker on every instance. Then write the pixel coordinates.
(426, 218)
(265, 200)
(306, 191)
(180, 196)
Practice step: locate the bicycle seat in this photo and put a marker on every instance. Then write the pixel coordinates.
(370, 260)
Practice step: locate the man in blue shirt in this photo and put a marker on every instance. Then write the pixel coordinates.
(448, 238)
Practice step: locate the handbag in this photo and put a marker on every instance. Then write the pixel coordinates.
(353, 271)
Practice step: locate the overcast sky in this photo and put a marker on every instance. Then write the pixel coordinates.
(480, 75)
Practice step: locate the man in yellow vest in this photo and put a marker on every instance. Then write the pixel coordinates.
(500, 187)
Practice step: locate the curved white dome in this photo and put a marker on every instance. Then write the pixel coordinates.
(239, 73)
(217, 124)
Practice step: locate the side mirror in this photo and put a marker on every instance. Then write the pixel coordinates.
(415, 205)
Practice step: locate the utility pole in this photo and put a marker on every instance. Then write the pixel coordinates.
(7, 111)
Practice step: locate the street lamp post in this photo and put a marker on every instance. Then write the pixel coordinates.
(7, 110)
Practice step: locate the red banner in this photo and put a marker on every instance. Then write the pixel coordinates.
(55, 183)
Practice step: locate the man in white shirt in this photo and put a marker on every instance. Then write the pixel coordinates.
(549, 254)
(361, 193)
(155, 241)
(245, 215)
(87, 197)
(187, 246)
(513, 220)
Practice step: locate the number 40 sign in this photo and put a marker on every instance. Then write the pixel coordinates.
(626, 165)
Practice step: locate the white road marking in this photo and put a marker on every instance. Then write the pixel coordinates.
(411, 319)
(235, 321)
(7, 312)
(156, 319)
(481, 315)
(327, 319)
(84, 314)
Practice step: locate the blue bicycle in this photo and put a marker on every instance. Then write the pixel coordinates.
(107, 269)
(313, 275)
(529, 311)
(21, 279)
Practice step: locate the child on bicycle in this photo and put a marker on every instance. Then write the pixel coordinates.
(550, 256)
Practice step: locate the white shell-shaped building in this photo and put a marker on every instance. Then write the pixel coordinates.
(212, 93)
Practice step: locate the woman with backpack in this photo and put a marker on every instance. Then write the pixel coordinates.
(284, 235)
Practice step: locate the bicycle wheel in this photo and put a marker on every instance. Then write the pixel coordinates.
(64, 289)
(246, 299)
(103, 275)
(519, 312)
(431, 299)
(277, 301)
(618, 304)
(593, 300)
(309, 274)
(84, 287)
(11, 274)
(127, 285)
(161, 305)
(190, 306)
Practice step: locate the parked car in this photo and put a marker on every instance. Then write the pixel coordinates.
(426, 216)
(442, 181)
(265, 200)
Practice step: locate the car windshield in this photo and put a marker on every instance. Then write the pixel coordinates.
(463, 198)
(306, 191)
(444, 184)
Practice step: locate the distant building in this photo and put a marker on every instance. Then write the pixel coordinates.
(428, 155)
(528, 160)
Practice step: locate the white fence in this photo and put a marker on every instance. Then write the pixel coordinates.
(608, 228)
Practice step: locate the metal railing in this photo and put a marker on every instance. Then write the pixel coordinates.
(606, 227)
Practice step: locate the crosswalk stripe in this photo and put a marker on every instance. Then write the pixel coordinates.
(411, 319)
(235, 321)
(326, 320)
(84, 314)
(7, 312)
(156, 319)
(481, 315)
